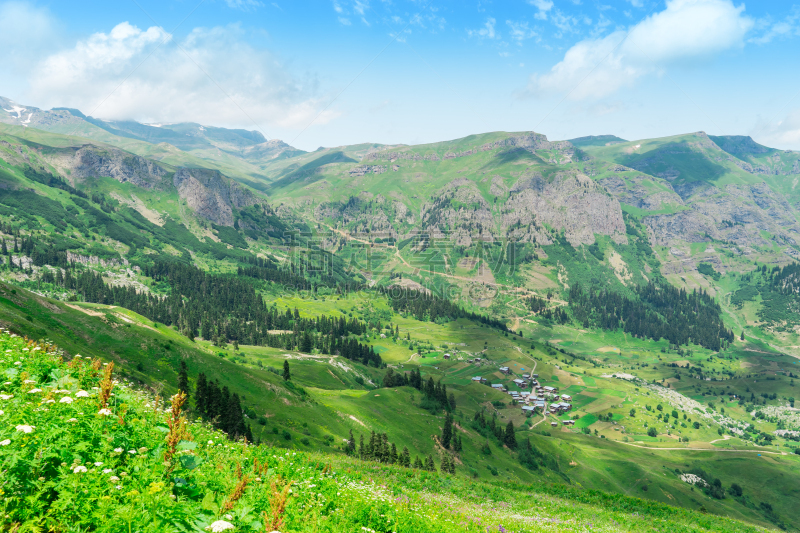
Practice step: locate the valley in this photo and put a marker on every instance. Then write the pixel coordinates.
(652, 283)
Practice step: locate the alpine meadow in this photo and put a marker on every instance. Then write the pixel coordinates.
(204, 328)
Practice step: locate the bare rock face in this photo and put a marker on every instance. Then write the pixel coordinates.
(637, 190)
(94, 161)
(571, 202)
(459, 212)
(211, 195)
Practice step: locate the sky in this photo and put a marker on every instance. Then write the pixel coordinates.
(331, 73)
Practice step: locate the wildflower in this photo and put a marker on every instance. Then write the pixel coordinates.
(5, 442)
(6, 396)
(1, 413)
(65, 399)
(29, 381)
(72, 420)
(220, 525)
(98, 463)
(50, 401)
(105, 411)
(132, 452)
(34, 391)
(113, 479)
(118, 450)
(17, 362)
(78, 469)
(25, 428)
(107, 470)
(142, 450)
(81, 394)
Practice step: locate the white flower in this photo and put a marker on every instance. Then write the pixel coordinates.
(113, 479)
(132, 451)
(65, 399)
(211, 443)
(6, 396)
(107, 470)
(34, 391)
(25, 428)
(17, 362)
(72, 420)
(1, 413)
(82, 394)
(105, 412)
(118, 487)
(118, 450)
(98, 463)
(5, 442)
(50, 401)
(78, 469)
(220, 525)
(29, 381)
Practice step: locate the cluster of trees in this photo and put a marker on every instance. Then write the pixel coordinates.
(222, 309)
(434, 394)
(379, 449)
(658, 311)
(488, 427)
(217, 405)
(430, 308)
(448, 438)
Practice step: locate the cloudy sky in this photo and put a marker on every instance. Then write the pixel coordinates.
(327, 73)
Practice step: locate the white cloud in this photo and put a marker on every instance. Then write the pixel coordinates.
(685, 30)
(337, 7)
(520, 31)
(487, 31)
(345, 21)
(543, 6)
(784, 134)
(788, 27)
(144, 75)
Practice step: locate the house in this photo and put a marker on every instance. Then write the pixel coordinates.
(554, 424)
(505, 370)
(569, 422)
(478, 379)
(535, 376)
(550, 389)
(446, 356)
(526, 376)
(521, 383)
(528, 410)
(566, 397)
(499, 387)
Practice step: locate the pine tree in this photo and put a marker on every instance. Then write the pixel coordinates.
(183, 379)
(361, 450)
(417, 463)
(447, 431)
(510, 438)
(286, 374)
(445, 464)
(393, 454)
(457, 444)
(351, 444)
(430, 466)
(405, 457)
(201, 395)
(742, 337)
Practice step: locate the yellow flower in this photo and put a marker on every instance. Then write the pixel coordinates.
(155, 487)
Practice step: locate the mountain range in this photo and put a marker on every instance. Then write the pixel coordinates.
(372, 289)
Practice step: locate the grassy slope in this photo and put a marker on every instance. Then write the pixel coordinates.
(208, 481)
(334, 397)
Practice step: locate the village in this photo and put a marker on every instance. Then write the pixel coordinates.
(544, 399)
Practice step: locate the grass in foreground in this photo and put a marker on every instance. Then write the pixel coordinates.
(82, 452)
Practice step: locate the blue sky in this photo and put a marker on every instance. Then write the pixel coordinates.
(327, 73)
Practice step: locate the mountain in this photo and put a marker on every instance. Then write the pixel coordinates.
(240, 153)
(651, 282)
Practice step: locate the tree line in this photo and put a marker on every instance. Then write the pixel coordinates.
(657, 311)
(428, 307)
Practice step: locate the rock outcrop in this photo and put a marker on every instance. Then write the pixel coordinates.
(211, 195)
